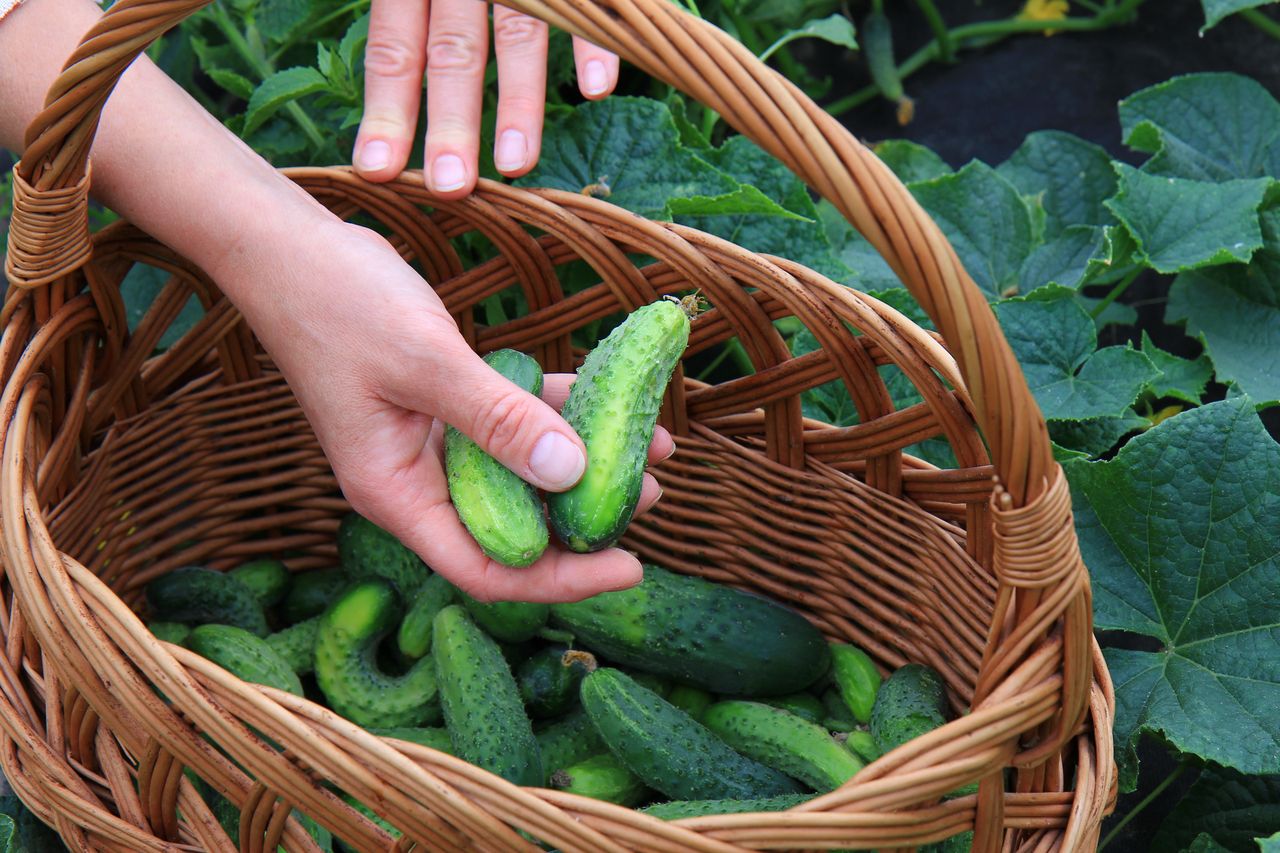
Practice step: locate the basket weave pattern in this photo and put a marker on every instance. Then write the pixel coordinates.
(118, 465)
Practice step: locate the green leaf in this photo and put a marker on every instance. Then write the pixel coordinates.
(1181, 533)
(1180, 378)
(911, 162)
(870, 271)
(1180, 224)
(986, 221)
(782, 11)
(1095, 436)
(8, 835)
(351, 48)
(236, 84)
(1070, 259)
(1115, 314)
(631, 146)
(1072, 177)
(1216, 10)
(1055, 342)
(1269, 845)
(279, 89)
(1229, 808)
(277, 19)
(139, 289)
(1204, 843)
(1210, 127)
(691, 136)
(836, 29)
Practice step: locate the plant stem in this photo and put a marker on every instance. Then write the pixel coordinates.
(311, 29)
(1146, 801)
(1262, 22)
(706, 372)
(1120, 287)
(946, 47)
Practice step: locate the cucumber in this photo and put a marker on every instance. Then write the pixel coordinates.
(481, 702)
(297, 645)
(910, 703)
(700, 633)
(601, 777)
(803, 705)
(567, 741)
(680, 809)
(244, 655)
(501, 511)
(649, 681)
(613, 405)
(414, 637)
(170, 632)
(346, 662)
(856, 678)
(433, 737)
(838, 716)
(783, 741)
(507, 621)
(198, 596)
(368, 551)
(268, 579)
(692, 700)
(311, 592)
(672, 752)
(549, 680)
(862, 744)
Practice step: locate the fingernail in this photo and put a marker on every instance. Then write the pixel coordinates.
(671, 452)
(448, 173)
(557, 461)
(512, 151)
(595, 78)
(375, 155)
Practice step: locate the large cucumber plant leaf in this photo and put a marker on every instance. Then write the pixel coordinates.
(1223, 810)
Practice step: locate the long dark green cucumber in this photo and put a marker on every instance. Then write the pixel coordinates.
(297, 645)
(311, 592)
(430, 736)
(481, 703)
(501, 511)
(613, 405)
(783, 741)
(910, 703)
(245, 655)
(856, 678)
(680, 809)
(200, 596)
(346, 662)
(414, 637)
(368, 551)
(700, 633)
(668, 749)
(507, 621)
(568, 740)
(601, 777)
(269, 580)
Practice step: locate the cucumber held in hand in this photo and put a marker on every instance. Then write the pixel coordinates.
(613, 405)
(501, 511)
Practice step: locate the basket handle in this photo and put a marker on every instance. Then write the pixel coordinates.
(48, 237)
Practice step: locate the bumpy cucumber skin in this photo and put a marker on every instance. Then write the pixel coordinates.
(346, 662)
(856, 678)
(368, 551)
(910, 703)
(244, 655)
(613, 405)
(414, 637)
(803, 705)
(170, 632)
(601, 777)
(297, 645)
(680, 809)
(783, 741)
(694, 701)
(435, 737)
(862, 744)
(481, 703)
(501, 511)
(668, 749)
(567, 741)
(507, 621)
(199, 596)
(549, 680)
(311, 592)
(700, 633)
(268, 579)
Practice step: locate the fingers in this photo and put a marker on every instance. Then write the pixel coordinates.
(393, 62)
(457, 46)
(520, 42)
(650, 492)
(555, 390)
(597, 69)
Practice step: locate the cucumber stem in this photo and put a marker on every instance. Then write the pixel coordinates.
(1260, 20)
(1146, 801)
(1114, 293)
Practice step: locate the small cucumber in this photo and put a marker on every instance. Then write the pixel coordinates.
(501, 511)
(368, 551)
(311, 592)
(783, 741)
(297, 645)
(692, 700)
(601, 777)
(672, 752)
(862, 744)
(481, 703)
(170, 632)
(268, 579)
(613, 405)
(856, 678)
(549, 680)
(244, 655)
(838, 716)
(433, 737)
(910, 703)
(568, 740)
(507, 621)
(346, 665)
(803, 705)
(414, 636)
(199, 596)
(680, 809)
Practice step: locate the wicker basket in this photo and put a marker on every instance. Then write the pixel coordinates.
(974, 571)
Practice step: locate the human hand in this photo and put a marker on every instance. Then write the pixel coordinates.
(453, 48)
(378, 366)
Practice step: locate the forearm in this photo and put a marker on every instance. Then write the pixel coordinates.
(159, 159)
